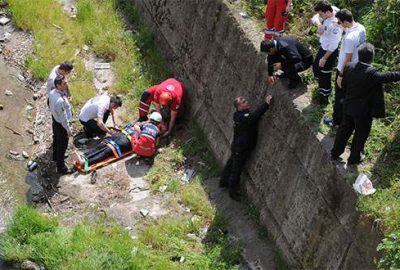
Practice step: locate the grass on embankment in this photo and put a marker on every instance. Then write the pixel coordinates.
(137, 65)
(98, 26)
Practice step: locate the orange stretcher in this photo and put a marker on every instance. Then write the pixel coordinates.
(117, 155)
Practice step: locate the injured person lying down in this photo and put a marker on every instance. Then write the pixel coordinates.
(141, 138)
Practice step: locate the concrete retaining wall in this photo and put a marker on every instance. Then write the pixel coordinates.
(307, 207)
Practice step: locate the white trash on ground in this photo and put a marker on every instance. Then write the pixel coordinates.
(363, 185)
(187, 175)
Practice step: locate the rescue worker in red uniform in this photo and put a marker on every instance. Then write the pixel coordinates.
(140, 137)
(169, 94)
(276, 15)
(145, 139)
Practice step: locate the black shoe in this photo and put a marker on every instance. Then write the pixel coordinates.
(65, 170)
(222, 183)
(294, 83)
(235, 195)
(355, 162)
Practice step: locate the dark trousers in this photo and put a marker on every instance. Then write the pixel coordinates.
(323, 75)
(361, 125)
(291, 69)
(102, 151)
(340, 95)
(91, 127)
(233, 169)
(60, 144)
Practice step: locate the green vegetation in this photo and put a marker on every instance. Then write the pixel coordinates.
(40, 238)
(59, 38)
(382, 20)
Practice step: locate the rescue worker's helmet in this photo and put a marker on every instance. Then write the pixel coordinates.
(165, 98)
(156, 116)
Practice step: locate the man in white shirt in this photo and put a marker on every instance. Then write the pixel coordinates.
(62, 69)
(99, 108)
(330, 34)
(62, 115)
(355, 36)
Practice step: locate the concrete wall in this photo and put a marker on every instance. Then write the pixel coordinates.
(307, 207)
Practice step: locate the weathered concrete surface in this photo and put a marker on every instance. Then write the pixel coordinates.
(305, 203)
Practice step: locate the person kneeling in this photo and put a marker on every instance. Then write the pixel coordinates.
(139, 137)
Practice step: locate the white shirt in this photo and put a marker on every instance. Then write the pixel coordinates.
(332, 34)
(60, 108)
(352, 39)
(95, 108)
(317, 19)
(50, 81)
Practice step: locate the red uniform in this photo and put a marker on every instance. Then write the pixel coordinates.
(173, 86)
(145, 102)
(145, 143)
(275, 18)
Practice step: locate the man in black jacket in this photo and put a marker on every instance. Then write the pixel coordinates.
(244, 140)
(364, 100)
(288, 55)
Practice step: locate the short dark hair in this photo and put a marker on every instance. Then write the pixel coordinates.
(67, 66)
(266, 45)
(117, 100)
(323, 6)
(58, 80)
(366, 53)
(236, 103)
(345, 15)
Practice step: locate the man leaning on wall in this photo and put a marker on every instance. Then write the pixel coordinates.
(245, 125)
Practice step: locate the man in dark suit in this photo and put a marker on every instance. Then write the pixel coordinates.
(364, 100)
(245, 129)
(288, 55)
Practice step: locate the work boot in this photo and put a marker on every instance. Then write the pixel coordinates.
(235, 195)
(65, 170)
(293, 83)
(223, 183)
(355, 162)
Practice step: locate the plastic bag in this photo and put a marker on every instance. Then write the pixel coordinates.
(363, 185)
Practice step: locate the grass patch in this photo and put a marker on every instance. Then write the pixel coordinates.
(33, 236)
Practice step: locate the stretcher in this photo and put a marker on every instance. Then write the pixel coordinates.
(86, 168)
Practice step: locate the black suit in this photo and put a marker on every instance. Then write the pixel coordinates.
(244, 140)
(364, 100)
(293, 55)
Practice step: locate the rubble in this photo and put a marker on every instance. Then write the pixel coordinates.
(12, 152)
(8, 93)
(4, 20)
(144, 212)
(29, 265)
(25, 154)
(102, 66)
